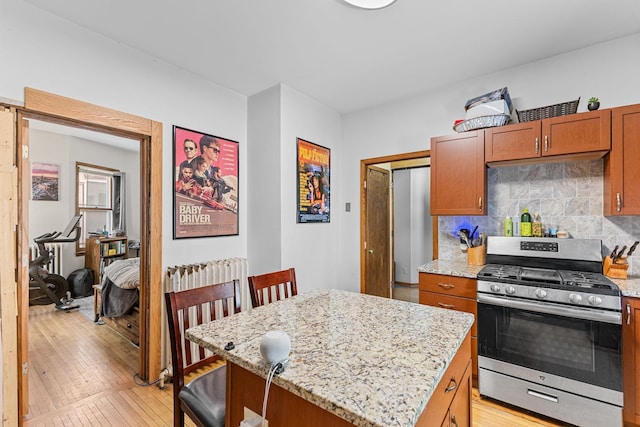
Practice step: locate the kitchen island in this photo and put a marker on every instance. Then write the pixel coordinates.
(355, 360)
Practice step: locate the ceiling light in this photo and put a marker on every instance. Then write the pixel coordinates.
(370, 4)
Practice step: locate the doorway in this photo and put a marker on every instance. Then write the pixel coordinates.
(371, 273)
(66, 111)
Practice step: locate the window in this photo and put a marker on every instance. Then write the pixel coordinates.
(94, 186)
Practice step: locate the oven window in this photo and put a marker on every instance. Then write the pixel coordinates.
(582, 350)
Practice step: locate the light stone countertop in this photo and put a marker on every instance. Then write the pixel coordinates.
(451, 268)
(629, 287)
(372, 361)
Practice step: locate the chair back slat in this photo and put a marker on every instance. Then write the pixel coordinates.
(193, 307)
(271, 287)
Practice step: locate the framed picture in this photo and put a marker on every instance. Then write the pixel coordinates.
(44, 181)
(314, 189)
(205, 173)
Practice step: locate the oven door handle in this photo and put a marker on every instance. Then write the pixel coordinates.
(557, 309)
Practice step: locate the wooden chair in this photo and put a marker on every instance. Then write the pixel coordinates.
(280, 284)
(203, 399)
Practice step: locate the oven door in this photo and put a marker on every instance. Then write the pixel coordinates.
(580, 344)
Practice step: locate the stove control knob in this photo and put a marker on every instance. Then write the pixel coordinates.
(575, 298)
(495, 288)
(594, 300)
(541, 293)
(510, 290)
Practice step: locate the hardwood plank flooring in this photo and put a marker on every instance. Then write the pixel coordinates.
(82, 374)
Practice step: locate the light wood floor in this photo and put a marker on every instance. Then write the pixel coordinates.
(82, 374)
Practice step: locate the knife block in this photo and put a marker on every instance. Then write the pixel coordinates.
(476, 256)
(615, 270)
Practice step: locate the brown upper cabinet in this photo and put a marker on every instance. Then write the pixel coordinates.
(571, 137)
(621, 184)
(458, 178)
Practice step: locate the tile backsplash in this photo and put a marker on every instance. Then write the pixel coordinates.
(566, 195)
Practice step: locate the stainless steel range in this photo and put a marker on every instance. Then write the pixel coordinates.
(550, 330)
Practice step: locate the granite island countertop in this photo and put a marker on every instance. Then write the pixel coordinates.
(629, 287)
(372, 361)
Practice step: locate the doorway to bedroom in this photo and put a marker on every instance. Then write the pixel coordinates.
(75, 171)
(51, 108)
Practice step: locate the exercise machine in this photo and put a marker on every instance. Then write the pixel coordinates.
(48, 288)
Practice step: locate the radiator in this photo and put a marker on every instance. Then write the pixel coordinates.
(195, 275)
(55, 264)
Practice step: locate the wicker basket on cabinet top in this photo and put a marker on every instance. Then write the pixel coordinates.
(555, 110)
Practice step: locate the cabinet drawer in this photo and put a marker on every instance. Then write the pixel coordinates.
(451, 302)
(128, 326)
(450, 285)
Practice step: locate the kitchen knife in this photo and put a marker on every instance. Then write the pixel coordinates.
(633, 248)
(614, 252)
(619, 255)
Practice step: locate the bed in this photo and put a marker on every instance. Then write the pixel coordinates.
(117, 298)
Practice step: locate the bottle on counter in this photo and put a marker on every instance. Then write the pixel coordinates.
(508, 226)
(536, 226)
(525, 224)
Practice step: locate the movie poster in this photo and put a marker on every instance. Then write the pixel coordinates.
(314, 190)
(206, 185)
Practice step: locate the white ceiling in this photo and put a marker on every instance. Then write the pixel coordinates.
(346, 58)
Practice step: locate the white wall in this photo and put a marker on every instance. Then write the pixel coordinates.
(607, 71)
(65, 151)
(264, 163)
(313, 249)
(421, 222)
(277, 117)
(413, 236)
(402, 225)
(44, 52)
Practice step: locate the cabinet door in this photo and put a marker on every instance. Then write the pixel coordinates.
(577, 133)
(513, 142)
(630, 362)
(621, 166)
(460, 409)
(458, 178)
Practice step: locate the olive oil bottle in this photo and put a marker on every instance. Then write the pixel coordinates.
(525, 224)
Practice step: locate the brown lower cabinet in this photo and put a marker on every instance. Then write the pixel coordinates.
(455, 293)
(451, 399)
(631, 360)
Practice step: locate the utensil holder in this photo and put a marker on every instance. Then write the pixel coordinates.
(615, 270)
(476, 256)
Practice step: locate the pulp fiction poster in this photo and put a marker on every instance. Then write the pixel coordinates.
(314, 194)
(206, 185)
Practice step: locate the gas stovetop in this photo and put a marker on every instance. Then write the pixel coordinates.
(562, 271)
(582, 281)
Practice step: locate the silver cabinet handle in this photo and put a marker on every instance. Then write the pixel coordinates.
(480, 203)
(443, 305)
(541, 395)
(537, 145)
(451, 387)
(446, 285)
(618, 202)
(546, 143)
(628, 314)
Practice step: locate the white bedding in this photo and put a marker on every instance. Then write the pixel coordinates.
(124, 273)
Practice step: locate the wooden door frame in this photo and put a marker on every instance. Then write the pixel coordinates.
(70, 112)
(364, 164)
